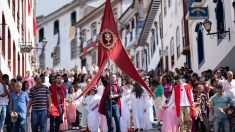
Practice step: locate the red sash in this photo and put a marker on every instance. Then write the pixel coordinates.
(188, 89)
(102, 102)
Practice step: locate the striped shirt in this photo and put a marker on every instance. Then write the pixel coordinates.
(39, 97)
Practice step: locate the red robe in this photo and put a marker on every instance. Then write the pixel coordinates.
(54, 99)
(102, 102)
(188, 90)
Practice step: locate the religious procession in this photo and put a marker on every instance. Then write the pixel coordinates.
(128, 79)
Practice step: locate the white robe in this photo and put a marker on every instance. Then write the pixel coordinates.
(125, 117)
(93, 115)
(84, 111)
(140, 118)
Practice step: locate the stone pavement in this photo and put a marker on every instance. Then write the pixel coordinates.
(156, 128)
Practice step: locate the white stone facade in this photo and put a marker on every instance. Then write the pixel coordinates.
(217, 53)
(58, 28)
(16, 28)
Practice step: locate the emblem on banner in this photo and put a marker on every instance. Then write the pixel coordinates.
(107, 38)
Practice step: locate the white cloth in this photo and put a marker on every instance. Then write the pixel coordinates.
(125, 118)
(84, 111)
(149, 118)
(229, 88)
(138, 105)
(183, 97)
(3, 100)
(93, 115)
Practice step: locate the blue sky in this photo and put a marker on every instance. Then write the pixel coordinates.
(45, 7)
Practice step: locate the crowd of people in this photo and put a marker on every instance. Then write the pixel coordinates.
(184, 101)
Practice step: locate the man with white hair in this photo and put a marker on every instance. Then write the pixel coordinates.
(19, 101)
(229, 85)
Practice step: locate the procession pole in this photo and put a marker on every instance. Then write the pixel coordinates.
(110, 92)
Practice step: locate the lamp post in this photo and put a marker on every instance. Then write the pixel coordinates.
(221, 34)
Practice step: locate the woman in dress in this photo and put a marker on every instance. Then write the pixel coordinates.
(26, 88)
(93, 114)
(125, 99)
(71, 104)
(159, 94)
(170, 120)
(201, 102)
(139, 106)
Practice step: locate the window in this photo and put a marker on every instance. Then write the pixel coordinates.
(3, 34)
(56, 27)
(73, 18)
(93, 29)
(156, 26)
(14, 59)
(160, 26)
(41, 34)
(22, 20)
(220, 16)
(183, 33)
(93, 57)
(172, 52)
(73, 49)
(153, 45)
(137, 60)
(133, 23)
(13, 9)
(178, 42)
(56, 56)
(82, 37)
(169, 3)
(115, 14)
(18, 16)
(9, 47)
(165, 8)
(200, 47)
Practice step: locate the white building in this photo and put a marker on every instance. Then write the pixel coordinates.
(214, 52)
(62, 49)
(131, 23)
(173, 40)
(16, 28)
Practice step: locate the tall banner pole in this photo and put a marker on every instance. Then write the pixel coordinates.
(110, 91)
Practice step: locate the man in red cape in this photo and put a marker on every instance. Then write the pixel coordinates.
(106, 104)
(182, 96)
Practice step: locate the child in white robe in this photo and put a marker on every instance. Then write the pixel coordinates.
(139, 107)
(93, 114)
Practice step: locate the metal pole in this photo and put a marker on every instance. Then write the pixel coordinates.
(110, 91)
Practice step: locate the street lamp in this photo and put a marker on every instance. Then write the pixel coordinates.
(28, 48)
(222, 34)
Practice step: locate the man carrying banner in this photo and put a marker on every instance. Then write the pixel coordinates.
(110, 104)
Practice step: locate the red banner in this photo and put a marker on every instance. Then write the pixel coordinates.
(110, 46)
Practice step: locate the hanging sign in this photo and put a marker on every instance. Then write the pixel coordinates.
(198, 13)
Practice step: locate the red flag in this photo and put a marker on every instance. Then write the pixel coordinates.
(110, 45)
(34, 27)
(29, 7)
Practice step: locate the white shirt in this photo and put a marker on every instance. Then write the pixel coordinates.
(229, 88)
(3, 100)
(183, 97)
